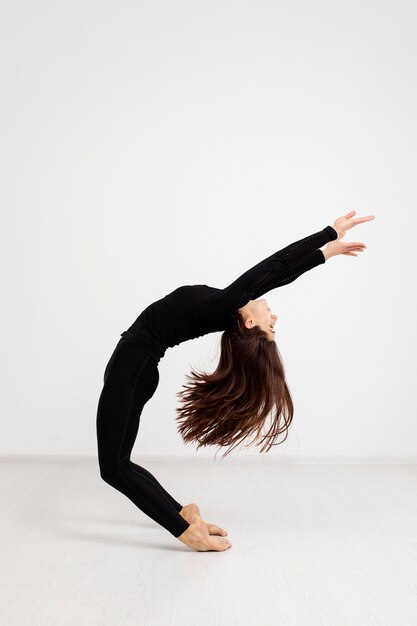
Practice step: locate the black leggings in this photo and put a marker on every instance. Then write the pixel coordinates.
(130, 380)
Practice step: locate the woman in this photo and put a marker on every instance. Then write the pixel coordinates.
(222, 408)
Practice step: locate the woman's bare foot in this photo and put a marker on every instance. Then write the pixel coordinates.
(197, 538)
(191, 512)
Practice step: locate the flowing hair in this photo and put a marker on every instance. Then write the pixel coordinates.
(248, 385)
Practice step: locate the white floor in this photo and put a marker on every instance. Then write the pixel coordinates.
(328, 545)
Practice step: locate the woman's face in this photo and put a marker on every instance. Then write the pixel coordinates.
(258, 313)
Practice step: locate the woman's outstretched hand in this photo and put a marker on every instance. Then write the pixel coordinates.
(341, 225)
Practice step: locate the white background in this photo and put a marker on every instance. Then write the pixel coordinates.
(147, 145)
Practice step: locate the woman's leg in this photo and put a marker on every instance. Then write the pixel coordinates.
(130, 381)
(144, 472)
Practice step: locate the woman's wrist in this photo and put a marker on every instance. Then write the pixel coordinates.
(338, 232)
(326, 254)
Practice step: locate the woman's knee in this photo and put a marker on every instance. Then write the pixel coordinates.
(110, 473)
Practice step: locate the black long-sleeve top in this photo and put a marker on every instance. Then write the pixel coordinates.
(191, 311)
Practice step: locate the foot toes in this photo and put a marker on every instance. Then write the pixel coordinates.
(216, 530)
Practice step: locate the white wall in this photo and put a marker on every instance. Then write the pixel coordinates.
(146, 145)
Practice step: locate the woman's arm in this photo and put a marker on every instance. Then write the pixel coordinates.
(280, 268)
(298, 250)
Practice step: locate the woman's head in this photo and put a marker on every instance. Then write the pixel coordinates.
(258, 313)
(247, 387)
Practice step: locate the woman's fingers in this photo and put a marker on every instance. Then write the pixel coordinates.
(360, 220)
(349, 247)
(354, 246)
(359, 244)
(345, 225)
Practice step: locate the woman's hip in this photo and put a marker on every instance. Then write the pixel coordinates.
(131, 376)
(133, 363)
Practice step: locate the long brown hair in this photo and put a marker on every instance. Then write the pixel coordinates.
(248, 385)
